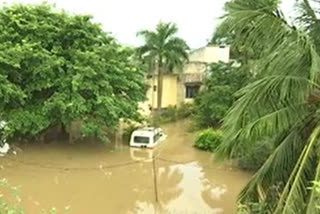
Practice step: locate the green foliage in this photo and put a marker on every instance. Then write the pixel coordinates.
(173, 113)
(57, 68)
(185, 110)
(163, 51)
(166, 115)
(128, 131)
(212, 103)
(252, 208)
(281, 104)
(208, 139)
(263, 206)
(254, 158)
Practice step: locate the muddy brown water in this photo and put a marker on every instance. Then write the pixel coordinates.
(98, 179)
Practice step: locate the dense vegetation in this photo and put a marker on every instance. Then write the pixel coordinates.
(217, 95)
(282, 104)
(163, 52)
(57, 68)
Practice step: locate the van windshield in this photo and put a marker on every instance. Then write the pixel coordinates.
(142, 140)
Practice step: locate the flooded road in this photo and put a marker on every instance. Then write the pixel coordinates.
(99, 179)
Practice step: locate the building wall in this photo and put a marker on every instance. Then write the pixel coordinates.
(169, 93)
(210, 54)
(194, 70)
(194, 67)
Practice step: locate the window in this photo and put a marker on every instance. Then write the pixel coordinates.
(192, 90)
(142, 140)
(156, 137)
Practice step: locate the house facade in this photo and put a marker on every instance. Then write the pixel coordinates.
(182, 87)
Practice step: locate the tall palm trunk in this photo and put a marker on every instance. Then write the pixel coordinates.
(160, 83)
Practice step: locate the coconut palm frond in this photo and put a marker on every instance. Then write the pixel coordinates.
(308, 19)
(264, 108)
(315, 66)
(177, 45)
(165, 31)
(306, 14)
(287, 77)
(282, 102)
(311, 206)
(256, 21)
(295, 191)
(290, 160)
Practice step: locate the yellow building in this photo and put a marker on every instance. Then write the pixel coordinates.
(181, 87)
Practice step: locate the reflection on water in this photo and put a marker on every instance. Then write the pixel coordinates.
(95, 178)
(141, 154)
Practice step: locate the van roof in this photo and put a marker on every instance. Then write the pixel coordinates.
(146, 131)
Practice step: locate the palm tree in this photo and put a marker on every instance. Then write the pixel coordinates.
(165, 50)
(283, 104)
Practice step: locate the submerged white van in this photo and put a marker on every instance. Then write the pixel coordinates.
(147, 137)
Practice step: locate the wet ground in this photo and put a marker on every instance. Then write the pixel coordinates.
(99, 179)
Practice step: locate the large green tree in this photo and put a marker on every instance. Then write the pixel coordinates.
(282, 104)
(164, 50)
(57, 68)
(217, 96)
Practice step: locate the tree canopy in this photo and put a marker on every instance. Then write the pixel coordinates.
(56, 68)
(282, 104)
(217, 96)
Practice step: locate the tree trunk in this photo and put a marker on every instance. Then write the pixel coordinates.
(160, 83)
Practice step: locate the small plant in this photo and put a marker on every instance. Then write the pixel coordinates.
(208, 139)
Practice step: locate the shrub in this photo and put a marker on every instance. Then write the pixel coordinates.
(173, 113)
(184, 110)
(208, 139)
(168, 114)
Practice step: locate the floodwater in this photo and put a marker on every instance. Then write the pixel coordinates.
(99, 179)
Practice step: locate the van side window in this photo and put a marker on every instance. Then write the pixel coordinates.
(156, 137)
